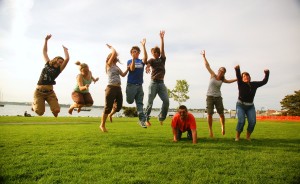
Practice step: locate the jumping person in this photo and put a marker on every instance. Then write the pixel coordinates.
(214, 96)
(134, 88)
(245, 106)
(81, 95)
(44, 90)
(157, 85)
(113, 91)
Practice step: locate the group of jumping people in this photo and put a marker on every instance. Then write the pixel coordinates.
(182, 121)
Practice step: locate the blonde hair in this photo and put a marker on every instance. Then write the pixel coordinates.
(107, 59)
(81, 65)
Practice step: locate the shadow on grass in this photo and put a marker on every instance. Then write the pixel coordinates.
(292, 145)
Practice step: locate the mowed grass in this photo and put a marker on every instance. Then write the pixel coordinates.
(73, 150)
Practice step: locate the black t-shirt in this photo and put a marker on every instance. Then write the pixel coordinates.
(48, 75)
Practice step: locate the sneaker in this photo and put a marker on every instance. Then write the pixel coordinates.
(142, 124)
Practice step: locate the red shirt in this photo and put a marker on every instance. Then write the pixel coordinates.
(189, 123)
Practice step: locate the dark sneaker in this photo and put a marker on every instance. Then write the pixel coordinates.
(142, 124)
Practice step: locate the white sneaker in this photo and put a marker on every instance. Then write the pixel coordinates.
(142, 124)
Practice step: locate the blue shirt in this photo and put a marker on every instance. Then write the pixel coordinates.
(136, 76)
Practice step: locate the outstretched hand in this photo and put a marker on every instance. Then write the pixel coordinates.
(162, 34)
(109, 46)
(143, 42)
(96, 80)
(48, 37)
(266, 70)
(65, 48)
(237, 67)
(203, 53)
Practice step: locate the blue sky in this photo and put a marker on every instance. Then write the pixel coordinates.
(256, 34)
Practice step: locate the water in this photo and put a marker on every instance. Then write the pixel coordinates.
(18, 110)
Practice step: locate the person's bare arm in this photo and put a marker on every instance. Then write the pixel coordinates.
(194, 135)
(66, 60)
(212, 73)
(45, 48)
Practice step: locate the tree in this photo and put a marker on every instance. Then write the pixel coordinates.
(291, 104)
(179, 93)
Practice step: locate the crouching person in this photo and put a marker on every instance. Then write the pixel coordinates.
(183, 121)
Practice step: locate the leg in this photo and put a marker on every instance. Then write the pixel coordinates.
(151, 97)
(70, 111)
(130, 93)
(210, 112)
(163, 95)
(78, 99)
(88, 100)
(222, 121)
(110, 96)
(209, 119)
(251, 116)
(179, 134)
(38, 104)
(189, 134)
(53, 103)
(241, 120)
(113, 111)
(139, 98)
(103, 120)
(220, 110)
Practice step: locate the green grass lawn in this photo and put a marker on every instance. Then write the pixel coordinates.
(73, 150)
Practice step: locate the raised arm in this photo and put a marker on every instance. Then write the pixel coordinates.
(66, 60)
(238, 73)
(143, 42)
(113, 55)
(162, 44)
(45, 48)
(212, 73)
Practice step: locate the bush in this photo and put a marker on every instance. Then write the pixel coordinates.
(130, 111)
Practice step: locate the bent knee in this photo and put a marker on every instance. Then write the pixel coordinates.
(130, 101)
(39, 112)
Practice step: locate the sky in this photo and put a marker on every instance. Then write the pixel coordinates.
(255, 34)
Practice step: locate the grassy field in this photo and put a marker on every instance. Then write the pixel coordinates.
(73, 150)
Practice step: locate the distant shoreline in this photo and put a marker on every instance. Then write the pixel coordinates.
(97, 106)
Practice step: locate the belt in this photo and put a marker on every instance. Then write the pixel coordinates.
(244, 103)
(44, 91)
(135, 84)
(158, 81)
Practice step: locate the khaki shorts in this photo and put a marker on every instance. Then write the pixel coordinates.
(39, 99)
(82, 98)
(212, 102)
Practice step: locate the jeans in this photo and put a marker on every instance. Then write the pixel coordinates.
(160, 89)
(249, 111)
(179, 134)
(136, 92)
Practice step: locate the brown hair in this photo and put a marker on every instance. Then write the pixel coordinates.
(246, 73)
(155, 49)
(54, 60)
(135, 48)
(183, 107)
(223, 78)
